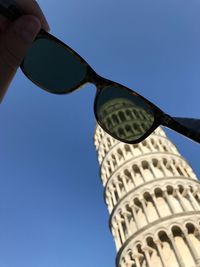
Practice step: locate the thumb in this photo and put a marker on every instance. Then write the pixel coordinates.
(14, 43)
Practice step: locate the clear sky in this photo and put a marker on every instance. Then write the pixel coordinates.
(52, 212)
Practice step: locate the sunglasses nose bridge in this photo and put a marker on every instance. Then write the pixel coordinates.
(96, 79)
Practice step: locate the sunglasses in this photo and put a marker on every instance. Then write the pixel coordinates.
(121, 112)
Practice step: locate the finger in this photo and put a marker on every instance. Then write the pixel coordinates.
(32, 7)
(14, 44)
(3, 23)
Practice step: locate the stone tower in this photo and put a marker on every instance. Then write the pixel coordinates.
(153, 198)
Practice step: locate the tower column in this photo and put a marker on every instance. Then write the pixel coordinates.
(116, 235)
(193, 200)
(147, 256)
(177, 253)
(144, 209)
(124, 181)
(121, 231)
(170, 202)
(162, 258)
(137, 262)
(180, 197)
(155, 205)
(132, 206)
(126, 222)
(192, 248)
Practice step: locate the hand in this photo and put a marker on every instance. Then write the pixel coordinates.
(15, 39)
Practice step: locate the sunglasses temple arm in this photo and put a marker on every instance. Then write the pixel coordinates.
(185, 126)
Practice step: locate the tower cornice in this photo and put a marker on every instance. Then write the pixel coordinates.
(153, 228)
(174, 181)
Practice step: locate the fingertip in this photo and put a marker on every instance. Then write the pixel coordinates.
(45, 25)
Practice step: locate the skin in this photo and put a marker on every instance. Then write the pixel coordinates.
(15, 39)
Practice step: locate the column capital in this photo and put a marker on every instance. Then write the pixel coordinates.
(146, 248)
(114, 225)
(133, 206)
(130, 204)
(142, 200)
(171, 237)
(157, 241)
(185, 191)
(117, 181)
(137, 255)
(119, 217)
(126, 212)
(123, 176)
(184, 231)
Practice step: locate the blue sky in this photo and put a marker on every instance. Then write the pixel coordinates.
(52, 211)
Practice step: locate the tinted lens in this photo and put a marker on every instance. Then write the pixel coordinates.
(53, 67)
(123, 115)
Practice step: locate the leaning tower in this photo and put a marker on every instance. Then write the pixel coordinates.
(153, 198)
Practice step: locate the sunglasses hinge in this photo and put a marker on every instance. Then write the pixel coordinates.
(166, 120)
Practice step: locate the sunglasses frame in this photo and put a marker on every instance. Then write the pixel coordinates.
(160, 118)
(100, 83)
(9, 9)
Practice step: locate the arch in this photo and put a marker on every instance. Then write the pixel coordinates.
(138, 178)
(109, 123)
(121, 185)
(170, 190)
(160, 230)
(163, 145)
(127, 174)
(136, 127)
(145, 164)
(121, 132)
(154, 252)
(115, 119)
(183, 245)
(136, 113)
(151, 208)
(128, 150)
(145, 145)
(140, 212)
(147, 171)
(120, 153)
(116, 195)
(163, 235)
(122, 116)
(128, 129)
(190, 227)
(113, 158)
(129, 114)
(167, 164)
(191, 188)
(157, 168)
(131, 218)
(189, 206)
(158, 192)
(176, 230)
(167, 249)
(163, 206)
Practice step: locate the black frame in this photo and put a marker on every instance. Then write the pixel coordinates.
(9, 9)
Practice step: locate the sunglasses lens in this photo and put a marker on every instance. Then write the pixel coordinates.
(53, 66)
(122, 114)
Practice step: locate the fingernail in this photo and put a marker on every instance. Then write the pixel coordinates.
(27, 27)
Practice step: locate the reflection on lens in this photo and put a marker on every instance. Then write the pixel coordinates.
(123, 115)
(53, 66)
